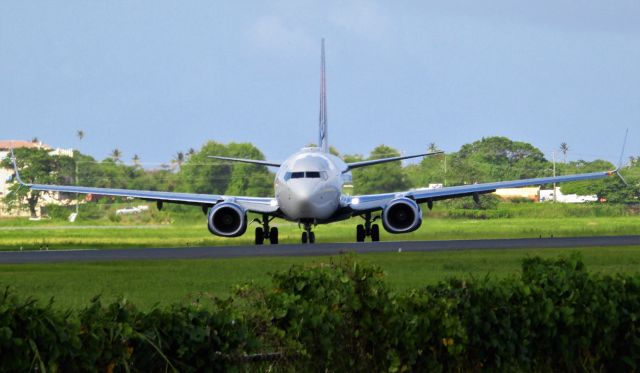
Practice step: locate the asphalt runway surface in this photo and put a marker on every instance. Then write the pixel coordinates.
(319, 249)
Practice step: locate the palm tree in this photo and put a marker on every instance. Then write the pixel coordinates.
(564, 148)
(80, 135)
(136, 160)
(116, 154)
(432, 147)
(35, 140)
(178, 160)
(191, 152)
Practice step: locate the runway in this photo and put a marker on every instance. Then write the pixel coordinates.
(219, 252)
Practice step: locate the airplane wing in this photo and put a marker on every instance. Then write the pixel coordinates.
(262, 205)
(373, 202)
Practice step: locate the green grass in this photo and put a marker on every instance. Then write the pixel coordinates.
(166, 282)
(147, 283)
(54, 235)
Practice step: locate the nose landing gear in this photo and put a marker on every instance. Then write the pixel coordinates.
(265, 232)
(368, 229)
(308, 235)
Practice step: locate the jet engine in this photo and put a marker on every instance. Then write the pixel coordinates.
(227, 219)
(401, 215)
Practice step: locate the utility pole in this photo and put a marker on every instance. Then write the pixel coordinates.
(77, 195)
(445, 169)
(554, 175)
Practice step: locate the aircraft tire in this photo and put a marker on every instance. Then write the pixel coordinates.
(360, 233)
(375, 233)
(312, 237)
(304, 237)
(273, 236)
(259, 236)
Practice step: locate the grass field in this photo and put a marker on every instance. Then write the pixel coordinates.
(164, 282)
(147, 283)
(56, 235)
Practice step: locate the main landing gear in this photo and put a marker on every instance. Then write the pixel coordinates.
(265, 232)
(368, 229)
(308, 235)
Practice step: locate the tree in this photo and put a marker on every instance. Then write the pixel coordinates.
(611, 189)
(37, 167)
(178, 160)
(136, 160)
(429, 170)
(116, 154)
(200, 174)
(385, 177)
(564, 148)
(80, 134)
(495, 159)
(432, 147)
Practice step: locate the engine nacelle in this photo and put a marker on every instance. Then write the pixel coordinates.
(402, 215)
(227, 219)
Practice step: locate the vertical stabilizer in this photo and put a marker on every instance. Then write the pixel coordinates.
(323, 140)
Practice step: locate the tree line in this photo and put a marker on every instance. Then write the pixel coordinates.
(488, 159)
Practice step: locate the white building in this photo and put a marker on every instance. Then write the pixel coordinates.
(6, 175)
(546, 195)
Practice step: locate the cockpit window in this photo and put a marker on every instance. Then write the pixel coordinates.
(307, 175)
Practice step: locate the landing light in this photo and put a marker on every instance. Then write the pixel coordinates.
(355, 201)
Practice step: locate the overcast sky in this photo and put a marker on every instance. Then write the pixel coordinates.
(156, 77)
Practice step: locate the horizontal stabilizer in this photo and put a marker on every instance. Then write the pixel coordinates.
(351, 166)
(244, 160)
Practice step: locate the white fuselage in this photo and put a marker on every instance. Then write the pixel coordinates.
(308, 185)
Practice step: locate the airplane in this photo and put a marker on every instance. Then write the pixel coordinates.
(308, 190)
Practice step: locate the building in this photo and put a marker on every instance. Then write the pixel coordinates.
(547, 196)
(530, 193)
(7, 179)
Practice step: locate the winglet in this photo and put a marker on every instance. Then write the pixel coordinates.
(617, 173)
(15, 167)
(617, 170)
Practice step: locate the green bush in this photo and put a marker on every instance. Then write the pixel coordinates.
(92, 211)
(57, 212)
(341, 316)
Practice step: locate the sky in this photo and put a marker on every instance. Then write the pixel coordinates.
(156, 77)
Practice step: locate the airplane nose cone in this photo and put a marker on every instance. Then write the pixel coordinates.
(304, 199)
(303, 195)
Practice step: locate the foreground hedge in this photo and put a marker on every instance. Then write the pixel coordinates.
(343, 317)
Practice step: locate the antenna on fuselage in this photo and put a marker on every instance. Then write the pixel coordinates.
(323, 140)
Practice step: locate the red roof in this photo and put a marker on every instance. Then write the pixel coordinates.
(7, 144)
